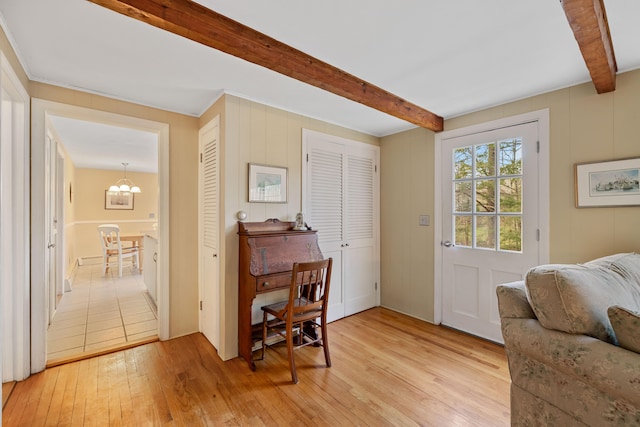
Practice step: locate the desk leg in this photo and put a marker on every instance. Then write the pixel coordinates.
(245, 340)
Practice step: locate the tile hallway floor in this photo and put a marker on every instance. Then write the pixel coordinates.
(100, 312)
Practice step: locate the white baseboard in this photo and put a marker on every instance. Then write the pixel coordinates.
(91, 260)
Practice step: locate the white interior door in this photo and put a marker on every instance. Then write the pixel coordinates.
(52, 228)
(341, 200)
(324, 211)
(209, 236)
(361, 229)
(61, 254)
(490, 222)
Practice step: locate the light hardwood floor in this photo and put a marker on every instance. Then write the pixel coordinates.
(388, 369)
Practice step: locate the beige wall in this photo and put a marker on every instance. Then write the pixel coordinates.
(406, 249)
(584, 127)
(255, 133)
(89, 193)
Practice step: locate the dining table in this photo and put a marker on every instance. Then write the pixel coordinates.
(138, 242)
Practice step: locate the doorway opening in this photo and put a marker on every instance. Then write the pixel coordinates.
(128, 300)
(98, 312)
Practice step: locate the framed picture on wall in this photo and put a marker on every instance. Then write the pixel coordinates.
(267, 184)
(118, 201)
(606, 184)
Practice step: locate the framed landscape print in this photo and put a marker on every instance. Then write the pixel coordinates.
(120, 201)
(267, 184)
(606, 184)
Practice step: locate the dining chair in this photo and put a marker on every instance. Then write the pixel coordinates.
(305, 311)
(112, 248)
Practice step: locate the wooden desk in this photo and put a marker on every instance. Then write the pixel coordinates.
(267, 253)
(138, 242)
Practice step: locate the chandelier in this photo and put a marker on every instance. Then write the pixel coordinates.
(124, 185)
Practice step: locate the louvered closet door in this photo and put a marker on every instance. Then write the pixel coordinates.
(360, 231)
(324, 213)
(209, 239)
(341, 201)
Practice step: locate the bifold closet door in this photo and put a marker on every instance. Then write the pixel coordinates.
(341, 201)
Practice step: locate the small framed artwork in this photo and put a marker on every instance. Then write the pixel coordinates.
(119, 201)
(267, 184)
(606, 184)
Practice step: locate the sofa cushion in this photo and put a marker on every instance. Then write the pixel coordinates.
(574, 298)
(626, 324)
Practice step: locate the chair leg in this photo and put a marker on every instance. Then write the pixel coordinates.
(325, 344)
(264, 334)
(120, 266)
(292, 362)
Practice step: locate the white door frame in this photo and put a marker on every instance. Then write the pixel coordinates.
(542, 117)
(40, 112)
(14, 311)
(51, 226)
(61, 265)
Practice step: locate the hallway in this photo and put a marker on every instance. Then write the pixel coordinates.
(101, 314)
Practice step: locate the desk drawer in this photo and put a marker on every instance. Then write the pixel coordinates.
(269, 283)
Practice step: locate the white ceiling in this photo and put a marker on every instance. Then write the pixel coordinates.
(97, 145)
(450, 57)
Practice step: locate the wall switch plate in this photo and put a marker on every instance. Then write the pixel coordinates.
(152, 215)
(424, 220)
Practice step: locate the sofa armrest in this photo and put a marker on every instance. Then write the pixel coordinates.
(512, 301)
(605, 367)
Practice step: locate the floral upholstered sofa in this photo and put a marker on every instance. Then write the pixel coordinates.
(572, 337)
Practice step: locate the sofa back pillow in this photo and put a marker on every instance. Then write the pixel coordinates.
(574, 298)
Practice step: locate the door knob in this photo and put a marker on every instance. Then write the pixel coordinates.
(448, 244)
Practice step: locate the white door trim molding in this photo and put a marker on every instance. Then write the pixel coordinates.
(14, 312)
(40, 111)
(539, 116)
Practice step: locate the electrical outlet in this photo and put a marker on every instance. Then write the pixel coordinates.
(424, 220)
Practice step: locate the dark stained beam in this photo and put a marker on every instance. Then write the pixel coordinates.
(194, 21)
(588, 21)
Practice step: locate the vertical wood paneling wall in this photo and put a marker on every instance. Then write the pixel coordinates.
(256, 133)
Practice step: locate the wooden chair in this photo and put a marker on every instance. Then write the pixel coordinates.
(303, 313)
(112, 248)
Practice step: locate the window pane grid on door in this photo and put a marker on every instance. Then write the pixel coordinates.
(487, 195)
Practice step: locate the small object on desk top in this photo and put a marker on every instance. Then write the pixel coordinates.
(300, 225)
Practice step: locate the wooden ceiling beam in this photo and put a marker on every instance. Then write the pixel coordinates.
(194, 21)
(588, 21)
